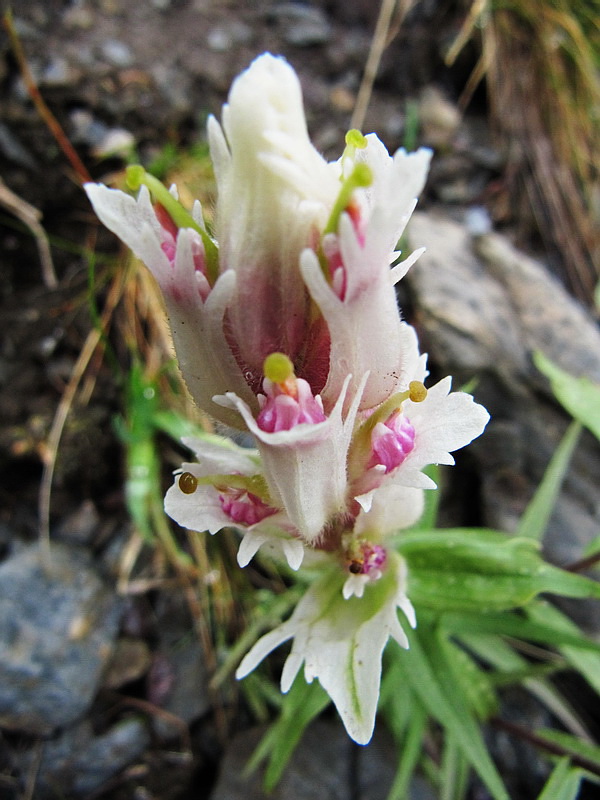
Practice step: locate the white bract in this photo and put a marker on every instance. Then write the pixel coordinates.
(286, 326)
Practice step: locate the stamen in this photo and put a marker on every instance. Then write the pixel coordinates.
(287, 401)
(391, 442)
(136, 176)
(244, 507)
(355, 139)
(360, 177)
(278, 368)
(416, 391)
(188, 483)
(362, 444)
(365, 558)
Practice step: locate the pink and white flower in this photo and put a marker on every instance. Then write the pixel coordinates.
(216, 492)
(286, 325)
(340, 641)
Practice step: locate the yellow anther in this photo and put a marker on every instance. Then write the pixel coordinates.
(278, 368)
(354, 138)
(416, 391)
(188, 483)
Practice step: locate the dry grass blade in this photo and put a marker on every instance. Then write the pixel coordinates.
(542, 61)
(381, 40)
(52, 123)
(93, 340)
(30, 216)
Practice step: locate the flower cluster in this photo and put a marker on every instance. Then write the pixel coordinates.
(286, 325)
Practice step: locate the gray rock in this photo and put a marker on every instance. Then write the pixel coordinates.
(222, 38)
(301, 25)
(483, 308)
(326, 764)
(77, 762)
(58, 622)
(59, 73)
(178, 677)
(14, 150)
(116, 53)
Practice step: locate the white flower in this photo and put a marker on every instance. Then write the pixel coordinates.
(415, 434)
(275, 193)
(340, 641)
(228, 500)
(361, 297)
(196, 311)
(306, 465)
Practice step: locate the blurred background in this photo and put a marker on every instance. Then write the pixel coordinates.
(124, 687)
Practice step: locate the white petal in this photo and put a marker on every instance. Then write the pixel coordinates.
(225, 458)
(265, 645)
(305, 467)
(393, 508)
(200, 511)
(134, 222)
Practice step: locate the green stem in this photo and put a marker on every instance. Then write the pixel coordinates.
(137, 176)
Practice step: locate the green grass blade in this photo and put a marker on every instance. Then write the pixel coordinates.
(579, 396)
(563, 783)
(582, 659)
(438, 698)
(534, 521)
(300, 706)
(410, 754)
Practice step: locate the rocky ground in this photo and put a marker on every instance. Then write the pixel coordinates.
(105, 694)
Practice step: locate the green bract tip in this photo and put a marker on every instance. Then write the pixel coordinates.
(134, 177)
(278, 367)
(354, 138)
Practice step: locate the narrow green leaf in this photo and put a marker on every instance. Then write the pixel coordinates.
(300, 706)
(572, 745)
(582, 659)
(454, 772)
(474, 682)
(579, 396)
(397, 701)
(179, 427)
(519, 627)
(410, 753)
(497, 653)
(456, 718)
(481, 569)
(563, 783)
(535, 519)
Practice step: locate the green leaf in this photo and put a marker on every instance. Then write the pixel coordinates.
(579, 396)
(300, 706)
(454, 772)
(473, 681)
(439, 700)
(572, 746)
(481, 569)
(584, 661)
(563, 783)
(410, 753)
(397, 702)
(518, 627)
(535, 519)
(178, 427)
